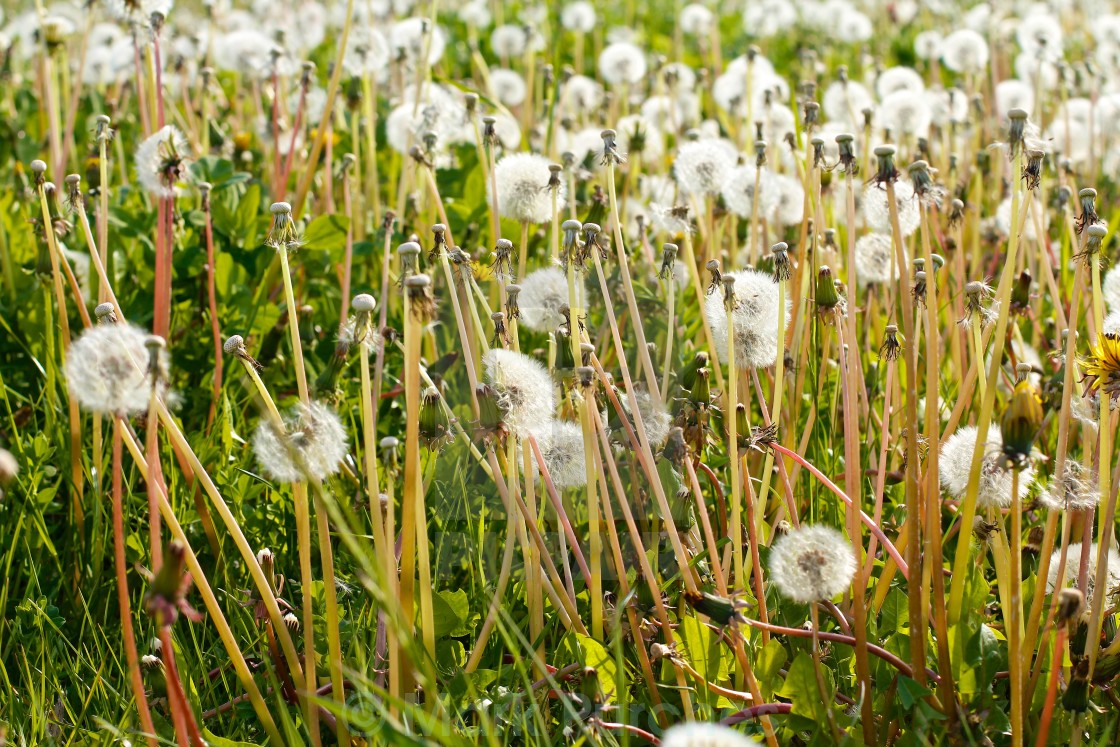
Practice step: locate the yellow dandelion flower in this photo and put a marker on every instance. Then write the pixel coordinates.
(1102, 366)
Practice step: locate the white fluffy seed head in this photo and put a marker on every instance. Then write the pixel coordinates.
(408, 40)
(622, 62)
(522, 183)
(1073, 490)
(1110, 288)
(965, 51)
(367, 52)
(955, 466)
(705, 734)
(561, 445)
(812, 563)
(703, 166)
(873, 258)
(739, 190)
(755, 319)
(876, 209)
(159, 159)
(1072, 569)
(107, 369)
(578, 16)
(844, 102)
(525, 391)
(543, 292)
(508, 86)
(905, 112)
(655, 417)
(312, 444)
(696, 20)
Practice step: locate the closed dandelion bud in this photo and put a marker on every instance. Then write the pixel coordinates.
(885, 171)
(1070, 604)
(825, 292)
(701, 393)
(150, 662)
(783, 268)
(267, 562)
(742, 426)
(513, 309)
(435, 426)
(921, 176)
(1021, 293)
(565, 358)
(818, 152)
(721, 610)
(500, 338)
(490, 421)
(688, 374)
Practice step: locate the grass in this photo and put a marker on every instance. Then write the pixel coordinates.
(599, 570)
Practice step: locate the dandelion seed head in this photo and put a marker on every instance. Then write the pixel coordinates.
(107, 369)
(873, 259)
(313, 438)
(524, 388)
(543, 293)
(655, 417)
(844, 102)
(703, 166)
(696, 20)
(622, 62)
(704, 734)
(965, 51)
(955, 465)
(475, 13)
(876, 208)
(739, 190)
(927, 45)
(895, 79)
(904, 112)
(853, 27)
(522, 184)
(508, 86)
(366, 53)
(581, 94)
(755, 319)
(511, 41)
(159, 160)
(561, 445)
(578, 16)
(812, 563)
(1073, 565)
(1073, 490)
(408, 39)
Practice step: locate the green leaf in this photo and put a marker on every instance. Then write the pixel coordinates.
(801, 687)
(702, 648)
(327, 233)
(770, 661)
(910, 692)
(593, 654)
(452, 612)
(215, 741)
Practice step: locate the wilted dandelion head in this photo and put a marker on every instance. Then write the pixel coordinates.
(523, 387)
(1072, 569)
(522, 182)
(703, 166)
(876, 208)
(755, 319)
(311, 445)
(994, 489)
(543, 293)
(812, 563)
(561, 445)
(622, 63)
(160, 161)
(108, 369)
(701, 734)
